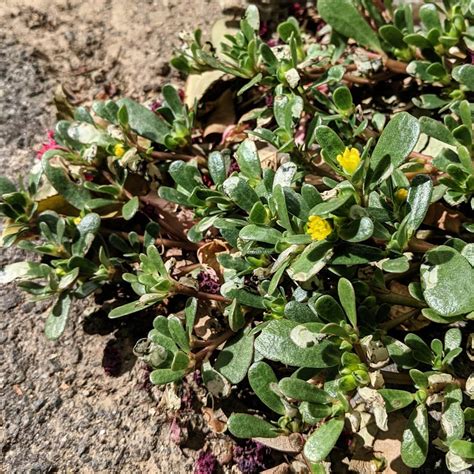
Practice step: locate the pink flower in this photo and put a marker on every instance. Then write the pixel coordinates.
(49, 145)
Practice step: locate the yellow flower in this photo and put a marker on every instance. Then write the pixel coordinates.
(77, 220)
(349, 160)
(401, 195)
(119, 150)
(318, 228)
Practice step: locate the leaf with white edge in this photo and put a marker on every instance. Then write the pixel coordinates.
(323, 439)
(415, 438)
(275, 343)
(22, 270)
(261, 376)
(447, 279)
(344, 18)
(242, 425)
(57, 319)
(313, 259)
(397, 140)
(235, 358)
(130, 208)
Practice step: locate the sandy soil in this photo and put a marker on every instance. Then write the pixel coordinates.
(60, 412)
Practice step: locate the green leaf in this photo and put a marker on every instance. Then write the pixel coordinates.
(465, 75)
(452, 339)
(248, 160)
(435, 129)
(57, 319)
(344, 17)
(343, 99)
(329, 309)
(242, 425)
(177, 332)
(130, 208)
(190, 312)
(347, 298)
(452, 420)
(429, 16)
(398, 140)
(164, 376)
(396, 265)
(419, 198)
(240, 192)
(145, 122)
(6, 186)
(393, 36)
(421, 351)
(218, 166)
(447, 279)
(396, 399)
(59, 179)
(171, 96)
(330, 142)
(313, 413)
(261, 376)
(462, 448)
(235, 358)
(357, 230)
(260, 234)
(415, 438)
(129, 308)
(298, 389)
(275, 343)
(323, 439)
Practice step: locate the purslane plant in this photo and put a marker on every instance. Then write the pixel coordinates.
(331, 228)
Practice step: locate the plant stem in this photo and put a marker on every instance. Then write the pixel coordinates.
(393, 298)
(186, 290)
(419, 246)
(212, 345)
(401, 319)
(166, 155)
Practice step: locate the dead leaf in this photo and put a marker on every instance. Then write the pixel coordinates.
(292, 444)
(443, 218)
(215, 419)
(198, 84)
(413, 324)
(207, 255)
(388, 445)
(282, 468)
(222, 115)
(269, 157)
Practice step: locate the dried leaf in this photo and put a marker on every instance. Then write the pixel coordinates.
(215, 419)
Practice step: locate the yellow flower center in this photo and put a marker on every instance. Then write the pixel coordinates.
(349, 160)
(77, 220)
(119, 150)
(401, 194)
(318, 228)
